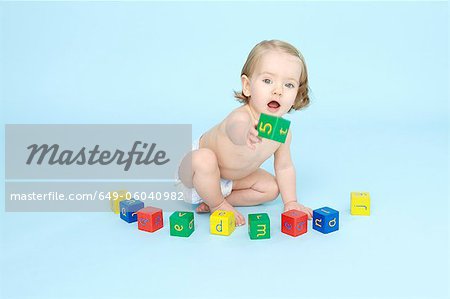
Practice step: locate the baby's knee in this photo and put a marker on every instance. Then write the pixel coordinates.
(272, 189)
(204, 160)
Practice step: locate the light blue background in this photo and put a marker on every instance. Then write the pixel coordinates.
(378, 122)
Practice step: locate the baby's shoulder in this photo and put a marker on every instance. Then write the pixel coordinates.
(240, 114)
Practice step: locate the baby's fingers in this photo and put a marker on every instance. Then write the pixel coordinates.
(254, 139)
(251, 145)
(253, 131)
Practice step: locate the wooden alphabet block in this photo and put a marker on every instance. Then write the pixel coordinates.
(222, 223)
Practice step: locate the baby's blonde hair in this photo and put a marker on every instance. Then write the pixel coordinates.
(302, 99)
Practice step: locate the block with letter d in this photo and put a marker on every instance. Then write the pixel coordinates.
(325, 220)
(222, 223)
(181, 224)
(259, 226)
(360, 203)
(150, 219)
(129, 208)
(294, 223)
(115, 197)
(272, 127)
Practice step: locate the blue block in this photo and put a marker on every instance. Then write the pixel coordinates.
(326, 220)
(128, 209)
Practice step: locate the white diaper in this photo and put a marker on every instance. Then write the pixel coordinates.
(190, 195)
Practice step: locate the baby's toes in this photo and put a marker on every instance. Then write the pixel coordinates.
(202, 208)
(240, 220)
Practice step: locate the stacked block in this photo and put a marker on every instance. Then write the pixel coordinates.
(360, 203)
(181, 224)
(325, 220)
(259, 226)
(129, 208)
(294, 223)
(222, 223)
(150, 219)
(272, 127)
(115, 197)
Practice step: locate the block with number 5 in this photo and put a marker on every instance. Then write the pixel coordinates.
(272, 127)
(181, 224)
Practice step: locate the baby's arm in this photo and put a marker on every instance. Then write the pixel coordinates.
(286, 179)
(241, 129)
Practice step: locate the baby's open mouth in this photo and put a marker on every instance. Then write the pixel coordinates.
(273, 105)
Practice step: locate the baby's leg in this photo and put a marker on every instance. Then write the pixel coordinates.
(199, 169)
(257, 188)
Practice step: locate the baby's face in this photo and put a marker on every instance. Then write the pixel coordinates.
(274, 83)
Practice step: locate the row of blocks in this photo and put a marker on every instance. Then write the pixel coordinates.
(293, 222)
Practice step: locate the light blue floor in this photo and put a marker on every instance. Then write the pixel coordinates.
(400, 251)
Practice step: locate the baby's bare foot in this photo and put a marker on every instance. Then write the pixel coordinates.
(240, 220)
(202, 208)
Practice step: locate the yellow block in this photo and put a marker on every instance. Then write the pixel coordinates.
(222, 223)
(360, 203)
(115, 197)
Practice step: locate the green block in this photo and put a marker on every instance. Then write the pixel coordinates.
(259, 226)
(272, 127)
(181, 224)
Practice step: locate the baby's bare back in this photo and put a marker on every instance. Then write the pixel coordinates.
(236, 161)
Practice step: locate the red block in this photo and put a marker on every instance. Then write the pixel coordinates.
(150, 219)
(294, 223)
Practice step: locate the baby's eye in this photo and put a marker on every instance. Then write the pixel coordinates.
(267, 81)
(290, 85)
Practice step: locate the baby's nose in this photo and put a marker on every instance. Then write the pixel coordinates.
(278, 90)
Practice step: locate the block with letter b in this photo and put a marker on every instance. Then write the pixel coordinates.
(272, 127)
(115, 197)
(360, 203)
(259, 226)
(222, 223)
(129, 208)
(150, 219)
(294, 223)
(181, 224)
(326, 220)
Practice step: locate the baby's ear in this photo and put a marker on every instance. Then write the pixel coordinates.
(245, 85)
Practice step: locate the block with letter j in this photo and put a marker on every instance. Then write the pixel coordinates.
(272, 127)
(360, 203)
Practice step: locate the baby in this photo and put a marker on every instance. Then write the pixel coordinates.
(224, 169)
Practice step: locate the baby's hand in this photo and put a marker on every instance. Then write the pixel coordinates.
(252, 137)
(293, 205)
